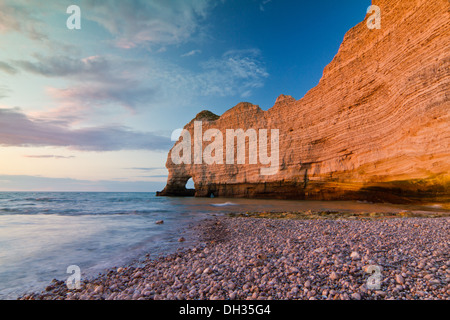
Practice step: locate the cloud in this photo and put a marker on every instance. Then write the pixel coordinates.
(47, 156)
(93, 67)
(4, 91)
(102, 81)
(146, 169)
(129, 94)
(5, 67)
(97, 80)
(155, 176)
(236, 72)
(149, 171)
(17, 129)
(37, 183)
(131, 23)
(191, 53)
(263, 3)
(17, 17)
(141, 22)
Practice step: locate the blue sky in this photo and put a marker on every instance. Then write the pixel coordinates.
(93, 109)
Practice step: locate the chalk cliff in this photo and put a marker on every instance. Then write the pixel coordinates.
(376, 127)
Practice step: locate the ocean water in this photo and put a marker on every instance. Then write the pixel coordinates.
(42, 233)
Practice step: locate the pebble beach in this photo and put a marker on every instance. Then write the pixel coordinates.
(248, 258)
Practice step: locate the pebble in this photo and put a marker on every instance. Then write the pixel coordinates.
(98, 289)
(334, 276)
(380, 293)
(399, 279)
(356, 296)
(355, 255)
(241, 258)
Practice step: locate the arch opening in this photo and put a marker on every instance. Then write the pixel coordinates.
(190, 184)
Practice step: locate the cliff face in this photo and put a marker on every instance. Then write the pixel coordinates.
(376, 127)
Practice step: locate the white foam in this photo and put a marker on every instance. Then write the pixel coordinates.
(224, 204)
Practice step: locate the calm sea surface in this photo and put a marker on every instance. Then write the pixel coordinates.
(42, 233)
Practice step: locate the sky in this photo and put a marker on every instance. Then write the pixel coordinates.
(93, 109)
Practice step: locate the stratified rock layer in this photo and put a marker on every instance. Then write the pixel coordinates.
(375, 128)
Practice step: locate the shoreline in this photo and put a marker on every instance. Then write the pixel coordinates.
(260, 258)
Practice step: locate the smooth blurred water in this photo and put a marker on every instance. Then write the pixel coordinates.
(42, 233)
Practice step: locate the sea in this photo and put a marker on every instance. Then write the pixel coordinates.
(43, 233)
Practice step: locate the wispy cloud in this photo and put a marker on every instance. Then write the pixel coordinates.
(151, 172)
(191, 53)
(155, 176)
(4, 91)
(17, 129)
(96, 80)
(130, 23)
(17, 17)
(129, 94)
(5, 67)
(48, 156)
(148, 22)
(236, 72)
(93, 67)
(146, 169)
(263, 3)
(38, 183)
(132, 84)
